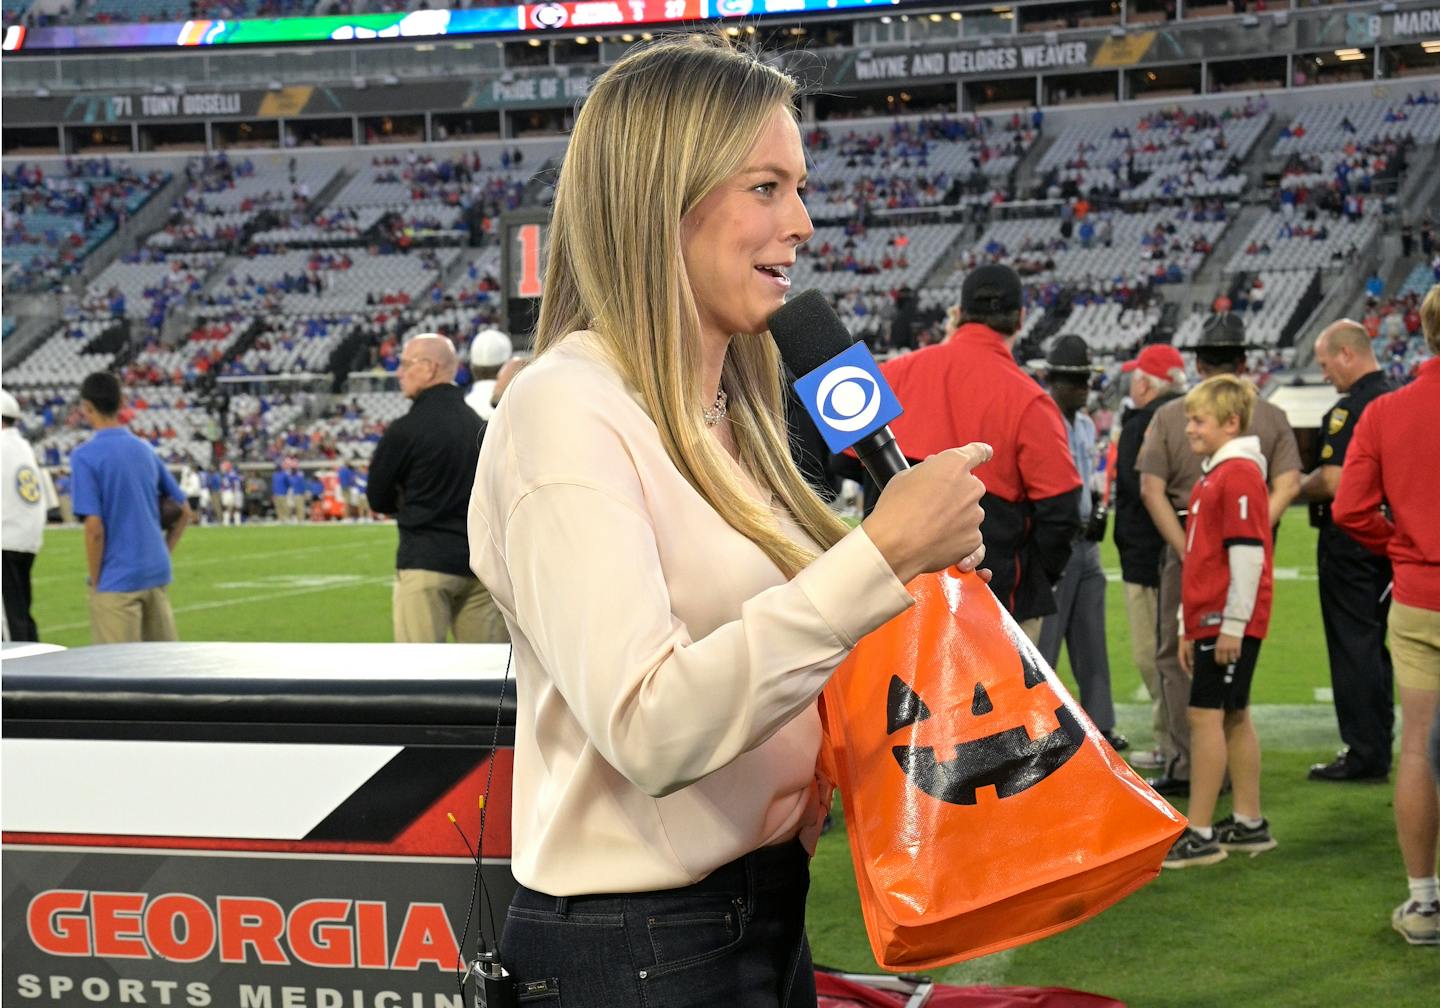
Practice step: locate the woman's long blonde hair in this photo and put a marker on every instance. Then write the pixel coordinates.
(659, 130)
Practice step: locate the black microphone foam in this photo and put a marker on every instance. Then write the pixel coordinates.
(808, 332)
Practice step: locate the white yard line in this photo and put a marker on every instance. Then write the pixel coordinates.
(242, 600)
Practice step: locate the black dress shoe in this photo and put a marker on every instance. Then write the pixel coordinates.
(1170, 787)
(1345, 767)
(1117, 741)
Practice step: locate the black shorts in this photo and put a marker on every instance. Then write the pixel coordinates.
(1224, 687)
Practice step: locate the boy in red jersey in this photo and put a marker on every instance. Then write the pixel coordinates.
(1225, 596)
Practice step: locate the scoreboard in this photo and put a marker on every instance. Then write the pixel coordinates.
(524, 236)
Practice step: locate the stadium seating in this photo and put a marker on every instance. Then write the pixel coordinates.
(1163, 153)
(880, 258)
(146, 286)
(1268, 309)
(362, 417)
(279, 276)
(903, 166)
(1299, 241)
(1331, 127)
(1167, 244)
(53, 220)
(62, 360)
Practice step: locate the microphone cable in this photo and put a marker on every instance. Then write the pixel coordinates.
(478, 889)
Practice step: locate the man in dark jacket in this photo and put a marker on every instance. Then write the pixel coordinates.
(969, 388)
(1354, 583)
(1157, 376)
(422, 472)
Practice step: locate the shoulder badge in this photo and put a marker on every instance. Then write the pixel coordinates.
(1338, 417)
(1327, 451)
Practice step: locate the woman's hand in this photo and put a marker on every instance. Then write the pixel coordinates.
(928, 518)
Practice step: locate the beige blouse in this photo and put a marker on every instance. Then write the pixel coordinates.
(666, 671)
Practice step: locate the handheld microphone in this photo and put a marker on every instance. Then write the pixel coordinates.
(840, 384)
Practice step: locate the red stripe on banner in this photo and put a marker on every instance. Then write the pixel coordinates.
(430, 835)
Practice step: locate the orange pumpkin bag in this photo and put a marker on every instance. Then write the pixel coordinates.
(983, 807)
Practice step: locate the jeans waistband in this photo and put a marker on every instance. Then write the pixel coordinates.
(768, 867)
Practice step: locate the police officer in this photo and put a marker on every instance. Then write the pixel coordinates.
(1354, 583)
(28, 495)
(1079, 620)
(1168, 472)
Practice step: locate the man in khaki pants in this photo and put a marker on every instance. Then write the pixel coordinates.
(117, 485)
(421, 473)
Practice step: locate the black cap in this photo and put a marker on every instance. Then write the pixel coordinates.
(1223, 331)
(991, 289)
(1069, 355)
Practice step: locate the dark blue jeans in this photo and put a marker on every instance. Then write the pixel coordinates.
(736, 939)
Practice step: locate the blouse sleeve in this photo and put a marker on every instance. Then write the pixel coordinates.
(662, 707)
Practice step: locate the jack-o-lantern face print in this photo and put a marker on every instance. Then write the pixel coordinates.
(1007, 759)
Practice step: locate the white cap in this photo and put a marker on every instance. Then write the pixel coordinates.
(9, 408)
(490, 348)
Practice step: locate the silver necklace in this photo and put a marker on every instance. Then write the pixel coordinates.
(714, 414)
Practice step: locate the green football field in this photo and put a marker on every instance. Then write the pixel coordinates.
(1305, 925)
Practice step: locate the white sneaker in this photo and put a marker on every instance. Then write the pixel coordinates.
(1418, 924)
(1147, 759)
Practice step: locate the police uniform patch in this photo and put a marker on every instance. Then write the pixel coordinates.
(27, 485)
(1338, 417)
(1327, 451)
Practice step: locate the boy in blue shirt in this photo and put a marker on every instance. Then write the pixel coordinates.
(117, 484)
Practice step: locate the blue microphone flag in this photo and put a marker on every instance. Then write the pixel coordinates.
(847, 397)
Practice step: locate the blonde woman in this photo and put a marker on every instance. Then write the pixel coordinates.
(677, 596)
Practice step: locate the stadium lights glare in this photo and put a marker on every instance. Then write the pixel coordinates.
(582, 40)
(956, 16)
(1431, 46)
(886, 19)
(1349, 55)
(535, 42)
(627, 37)
(937, 17)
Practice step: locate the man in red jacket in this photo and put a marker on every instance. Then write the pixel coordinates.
(969, 388)
(1388, 462)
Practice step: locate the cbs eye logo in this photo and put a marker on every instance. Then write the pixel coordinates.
(847, 399)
